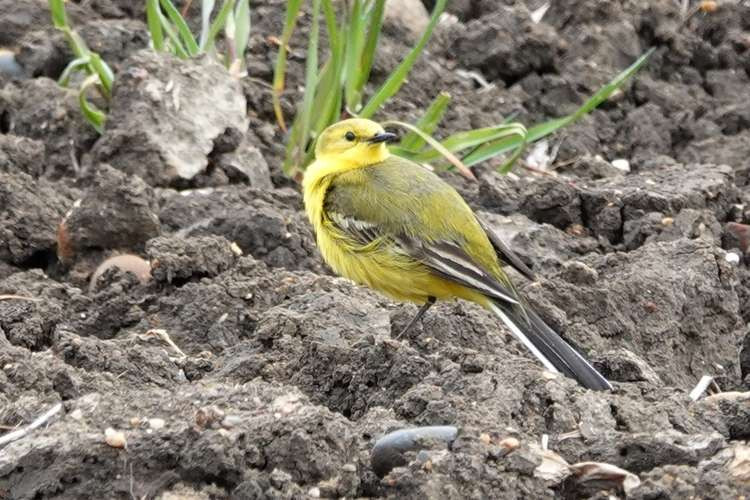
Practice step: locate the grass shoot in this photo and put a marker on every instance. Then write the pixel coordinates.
(337, 87)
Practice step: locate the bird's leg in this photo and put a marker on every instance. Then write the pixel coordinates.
(428, 303)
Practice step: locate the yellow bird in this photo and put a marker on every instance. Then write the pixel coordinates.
(389, 223)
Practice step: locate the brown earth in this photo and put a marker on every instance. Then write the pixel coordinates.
(282, 376)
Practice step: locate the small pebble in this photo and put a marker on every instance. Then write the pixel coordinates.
(732, 258)
(621, 164)
(509, 444)
(206, 416)
(130, 263)
(156, 423)
(231, 421)
(286, 404)
(8, 64)
(504, 448)
(388, 451)
(709, 6)
(115, 439)
(538, 14)
(599, 472)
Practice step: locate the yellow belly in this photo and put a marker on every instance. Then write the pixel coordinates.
(397, 276)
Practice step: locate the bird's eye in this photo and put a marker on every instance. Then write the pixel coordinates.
(349, 136)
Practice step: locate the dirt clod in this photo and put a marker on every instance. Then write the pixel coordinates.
(198, 98)
(29, 213)
(130, 263)
(116, 212)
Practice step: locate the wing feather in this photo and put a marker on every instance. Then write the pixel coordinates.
(361, 231)
(391, 208)
(449, 260)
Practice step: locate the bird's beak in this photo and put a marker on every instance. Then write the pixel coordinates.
(386, 137)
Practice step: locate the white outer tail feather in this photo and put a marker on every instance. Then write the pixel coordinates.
(518, 334)
(531, 347)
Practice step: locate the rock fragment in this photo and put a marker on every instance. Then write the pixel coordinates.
(166, 115)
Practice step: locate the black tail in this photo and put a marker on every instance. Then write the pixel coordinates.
(554, 353)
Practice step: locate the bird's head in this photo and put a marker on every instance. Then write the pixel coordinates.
(356, 141)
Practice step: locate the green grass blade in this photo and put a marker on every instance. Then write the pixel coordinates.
(427, 123)
(229, 38)
(396, 79)
(93, 115)
(512, 136)
(463, 169)
(603, 93)
(331, 23)
(217, 25)
(242, 28)
(367, 58)
(207, 7)
(549, 127)
(403, 152)
(99, 72)
(60, 21)
(174, 39)
(300, 131)
(279, 72)
(292, 145)
(328, 92)
(328, 97)
(57, 11)
(472, 138)
(188, 40)
(154, 24)
(79, 47)
(295, 149)
(325, 95)
(492, 149)
(355, 41)
(537, 132)
(307, 158)
(78, 64)
(104, 72)
(508, 165)
(495, 148)
(311, 77)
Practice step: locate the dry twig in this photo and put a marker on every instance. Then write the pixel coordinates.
(706, 383)
(164, 337)
(19, 297)
(41, 420)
